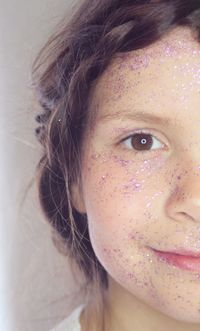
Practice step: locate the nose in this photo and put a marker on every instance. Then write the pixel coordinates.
(184, 202)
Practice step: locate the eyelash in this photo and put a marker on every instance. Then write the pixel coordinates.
(140, 133)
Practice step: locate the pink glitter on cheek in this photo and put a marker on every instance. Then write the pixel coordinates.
(132, 186)
(102, 180)
(134, 234)
(124, 163)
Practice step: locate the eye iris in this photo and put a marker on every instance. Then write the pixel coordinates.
(141, 141)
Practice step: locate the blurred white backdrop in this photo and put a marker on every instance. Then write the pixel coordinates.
(35, 281)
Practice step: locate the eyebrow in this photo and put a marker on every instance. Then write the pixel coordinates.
(139, 115)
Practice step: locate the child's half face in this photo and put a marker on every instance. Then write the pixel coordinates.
(142, 193)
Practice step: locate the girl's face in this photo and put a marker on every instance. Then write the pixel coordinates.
(143, 193)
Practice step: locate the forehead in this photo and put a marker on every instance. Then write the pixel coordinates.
(165, 74)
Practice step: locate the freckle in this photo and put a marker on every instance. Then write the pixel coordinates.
(100, 157)
(102, 180)
(135, 235)
(133, 184)
(131, 275)
(107, 252)
(95, 156)
(121, 161)
(139, 62)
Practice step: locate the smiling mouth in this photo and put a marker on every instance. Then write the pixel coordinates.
(183, 259)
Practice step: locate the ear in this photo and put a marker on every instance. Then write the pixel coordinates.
(77, 198)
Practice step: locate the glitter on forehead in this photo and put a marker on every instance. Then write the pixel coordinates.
(175, 48)
(162, 49)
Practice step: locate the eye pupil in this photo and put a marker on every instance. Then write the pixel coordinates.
(141, 141)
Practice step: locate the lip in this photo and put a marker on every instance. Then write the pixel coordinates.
(182, 252)
(182, 259)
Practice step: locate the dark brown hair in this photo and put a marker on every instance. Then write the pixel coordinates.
(72, 59)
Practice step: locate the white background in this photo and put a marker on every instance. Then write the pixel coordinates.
(35, 281)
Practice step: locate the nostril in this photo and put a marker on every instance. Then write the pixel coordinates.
(187, 216)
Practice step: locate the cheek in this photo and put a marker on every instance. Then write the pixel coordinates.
(120, 203)
(118, 218)
(125, 207)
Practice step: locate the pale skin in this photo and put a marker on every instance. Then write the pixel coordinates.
(138, 200)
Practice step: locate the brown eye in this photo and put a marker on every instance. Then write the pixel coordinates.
(142, 142)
